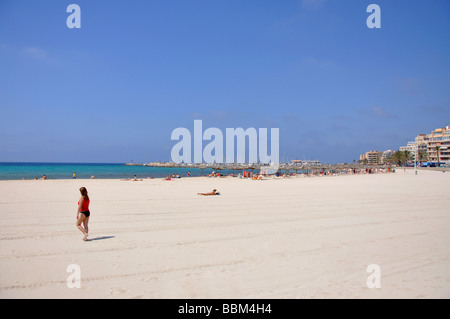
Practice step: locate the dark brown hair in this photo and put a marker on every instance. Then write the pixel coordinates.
(84, 193)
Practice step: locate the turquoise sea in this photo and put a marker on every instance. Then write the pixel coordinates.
(18, 171)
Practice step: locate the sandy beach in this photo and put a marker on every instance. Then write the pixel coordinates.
(276, 238)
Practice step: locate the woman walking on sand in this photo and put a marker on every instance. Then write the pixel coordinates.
(83, 213)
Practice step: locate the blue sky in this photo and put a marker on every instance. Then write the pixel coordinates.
(114, 90)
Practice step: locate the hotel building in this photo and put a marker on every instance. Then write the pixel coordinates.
(428, 142)
(439, 137)
(422, 142)
(411, 147)
(386, 154)
(372, 157)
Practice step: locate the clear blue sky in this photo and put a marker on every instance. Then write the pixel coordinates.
(114, 90)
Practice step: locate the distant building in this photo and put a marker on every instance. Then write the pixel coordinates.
(410, 147)
(422, 147)
(386, 154)
(425, 144)
(439, 137)
(422, 142)
(372, 157)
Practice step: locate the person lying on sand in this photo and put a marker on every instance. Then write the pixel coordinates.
(134, 179)
(214, 192)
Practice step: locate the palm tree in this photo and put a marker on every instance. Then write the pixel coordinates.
(437, 151)
(397, 157)
(388, 159)
(423, 156)
(406, 156)
(394, 158)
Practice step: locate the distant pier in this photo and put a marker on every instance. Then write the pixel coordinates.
(297, 166)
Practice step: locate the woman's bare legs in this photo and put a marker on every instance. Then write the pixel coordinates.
(86, 224)
(80, 219)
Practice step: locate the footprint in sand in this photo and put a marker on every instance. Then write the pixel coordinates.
(118, 291)
(149, 279)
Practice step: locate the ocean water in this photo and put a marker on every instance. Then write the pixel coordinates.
(19, 171)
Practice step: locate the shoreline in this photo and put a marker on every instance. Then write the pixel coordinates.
(245, 174)
(31, 171)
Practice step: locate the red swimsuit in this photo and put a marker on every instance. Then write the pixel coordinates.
(85, 207)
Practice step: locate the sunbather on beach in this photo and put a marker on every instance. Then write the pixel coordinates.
(214, 192)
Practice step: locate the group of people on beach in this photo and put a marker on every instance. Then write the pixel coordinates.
(74, 176)
(43, 177)
(169, 178)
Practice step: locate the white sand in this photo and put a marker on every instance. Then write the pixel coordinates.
(283, 238)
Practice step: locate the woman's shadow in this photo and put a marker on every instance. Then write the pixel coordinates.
(101, 238)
